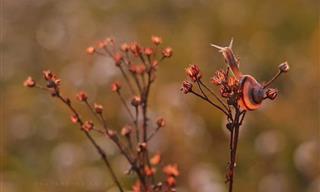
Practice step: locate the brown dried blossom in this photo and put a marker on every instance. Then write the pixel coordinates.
(98, 108)
(115, 86)
(186, 87)
(82, 96)
(161, 122)
(194, 73)
(271, 93)
(171, 170)
(29, 82)
(156, 40)
(139, 72)
(284, 67)
(87, 126)
(167, 52)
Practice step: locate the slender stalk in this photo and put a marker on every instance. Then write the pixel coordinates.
(126, 106)
(224, 105)
(209, 101)
(271, 80)
(127, 80)
(93, 142)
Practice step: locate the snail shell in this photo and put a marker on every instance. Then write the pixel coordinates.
(252, 93)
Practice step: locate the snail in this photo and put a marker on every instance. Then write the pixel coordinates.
(253, 92)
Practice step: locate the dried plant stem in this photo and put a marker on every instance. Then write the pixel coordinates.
(209, 101)
(125, 76)
(271, 80)
(220, 101)
(126, 106)
(93, 142)
(234, 137)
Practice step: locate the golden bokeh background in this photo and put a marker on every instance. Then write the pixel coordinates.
(279, 146)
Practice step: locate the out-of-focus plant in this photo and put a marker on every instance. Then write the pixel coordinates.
(238, 94)
(138, 66)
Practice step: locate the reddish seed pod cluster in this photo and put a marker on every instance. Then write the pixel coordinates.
(138, 66)
(194, 73)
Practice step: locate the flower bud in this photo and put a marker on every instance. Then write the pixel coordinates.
(90, 50)
(117, 59)
(193, 72)
(149, 171)
(74, 119)
(47, 75)
(136, 101)
(284, 67)
(186, 87)
(87, 126)
(167, 52)
(156, 159)
(98, 108)
(148, 51)
(125, 47)
(171, 170)
(161, 122)
(271, 93)
(115, 86)
(82, 96)
(156, 40)
(126, 131)
(29, 82)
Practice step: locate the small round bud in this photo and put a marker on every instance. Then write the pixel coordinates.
(148, 51)
(167, 52)
(82, 96)
(115, 86)
(117, 58)
(271, 93)
(136, 101)
(29, 82)
(186, 87)
(171, 170)
(125, 47)
(193, 72)
(156, 40)
(90, 50)
(171, 181)
(161, 122)
(284, 67)
(74, 119)
(87, 126)
(149, 171)
(126, 131)
(47, 75)
(156, 159)
(98, 108)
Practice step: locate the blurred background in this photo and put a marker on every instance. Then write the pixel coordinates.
(279, 146)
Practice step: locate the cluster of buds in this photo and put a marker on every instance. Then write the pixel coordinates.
(138, 66)
(194, 73)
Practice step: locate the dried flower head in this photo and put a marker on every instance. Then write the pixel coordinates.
(126, 130)
(149, 171)
(271, 93)
(148, 51)
(171, 181)
(115, 86)
(167, 52)
(156, 159)
(87, 126)
(90, 50)
(135, 48)
(284, 67)
(125, 47)
(219, 77)
(117, 58)
(29, 82)
(161, 122)
(47, 75)
(156, 40)
(74, 119)
(82, 96)
(136, 187)
(98, 108)
(186, 87)
(136, 101)
(171, 170)
(194, 73)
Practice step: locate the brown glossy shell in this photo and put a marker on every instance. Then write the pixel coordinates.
(252, 93)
